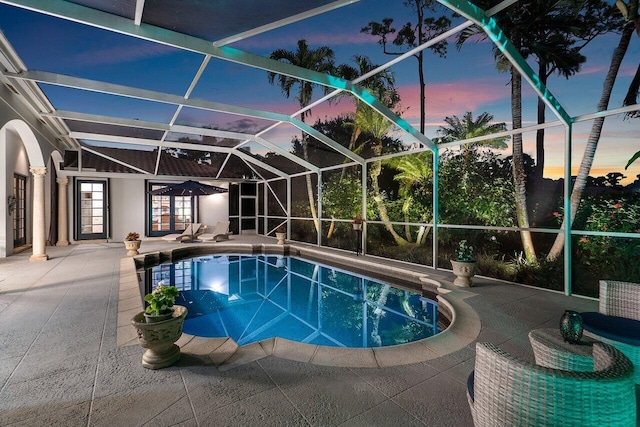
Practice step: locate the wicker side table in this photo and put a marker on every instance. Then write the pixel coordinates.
(550, 350)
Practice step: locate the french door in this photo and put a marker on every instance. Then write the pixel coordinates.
(19, 210)
(169, 214)
(91, 197)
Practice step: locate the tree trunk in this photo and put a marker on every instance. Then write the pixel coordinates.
(407, 229)
(422, 91)
(538, 173)
(310, 195)
(374, 173)
(594, 136)
(519, 175)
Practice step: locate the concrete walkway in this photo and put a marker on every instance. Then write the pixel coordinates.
(60, 365)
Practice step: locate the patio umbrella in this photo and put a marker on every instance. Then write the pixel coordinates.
(188, 188)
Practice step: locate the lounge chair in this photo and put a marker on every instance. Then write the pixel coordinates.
(189, 233)
(219, 232)
(617, 321)
(506, 391)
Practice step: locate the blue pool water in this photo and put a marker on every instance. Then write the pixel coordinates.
(254, 297)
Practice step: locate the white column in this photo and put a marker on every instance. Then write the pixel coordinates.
(63, 218)
(39, 254)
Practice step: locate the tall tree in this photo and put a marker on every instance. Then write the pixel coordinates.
(557, 33)
(548, 31)
(320, 59)
(630, 13)
(466, 128)
(415, 174)
(368, 121)
(376, 126)
(411, 35)
(459, 129)
(380, 85)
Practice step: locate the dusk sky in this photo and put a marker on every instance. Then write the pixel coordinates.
(465, 81)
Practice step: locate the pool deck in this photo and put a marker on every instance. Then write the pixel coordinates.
(63, 361)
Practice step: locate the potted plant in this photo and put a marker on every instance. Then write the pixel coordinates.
(281, 234)
(160, 326)
(160, 303)
(357, 222)
(132, 243)
(464, 264)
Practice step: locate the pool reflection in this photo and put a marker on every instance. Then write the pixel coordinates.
(254, 297)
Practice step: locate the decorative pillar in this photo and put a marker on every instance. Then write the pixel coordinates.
(63, 219)
(38, 214)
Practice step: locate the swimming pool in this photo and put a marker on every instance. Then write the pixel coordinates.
(250, 298)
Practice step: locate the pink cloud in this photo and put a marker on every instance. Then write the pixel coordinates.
(598, 69)
(447, 99)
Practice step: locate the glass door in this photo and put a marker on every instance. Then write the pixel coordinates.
(169, 214)
(92, 212)
(19, 210)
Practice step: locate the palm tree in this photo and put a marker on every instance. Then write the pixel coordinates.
(381, 85)
(467, 128)
(320, 59)
(415, 172)
(630, 13)
(368, 121)
(540, 28)
(376, 126)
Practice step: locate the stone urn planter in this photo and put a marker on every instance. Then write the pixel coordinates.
(464, 271)
(132, 243)
(464, 264)
(132, 246)
(281, 237)
(159, 337)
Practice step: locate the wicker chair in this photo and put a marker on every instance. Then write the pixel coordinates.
(618, 320)
(506, 391)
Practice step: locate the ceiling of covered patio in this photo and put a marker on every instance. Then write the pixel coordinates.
(127, 82)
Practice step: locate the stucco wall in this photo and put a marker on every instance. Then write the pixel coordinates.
(128, 207)
(14, 158)
(214, 208)
(14, 161)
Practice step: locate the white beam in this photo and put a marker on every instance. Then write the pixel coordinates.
(99, 19)
(137, 20)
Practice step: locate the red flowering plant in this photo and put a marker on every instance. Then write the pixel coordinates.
(132, 236)
(607, 253)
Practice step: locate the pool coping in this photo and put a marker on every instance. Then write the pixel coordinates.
(225, 353)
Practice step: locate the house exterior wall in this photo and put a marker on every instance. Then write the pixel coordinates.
(128, 207)
(214, 208)
(15, 159)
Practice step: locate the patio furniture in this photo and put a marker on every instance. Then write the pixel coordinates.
(186, 235)
(552, 351)
(504, 390)
(220, 232)
(618, 320)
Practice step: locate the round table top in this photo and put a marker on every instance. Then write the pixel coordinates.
(552, 338)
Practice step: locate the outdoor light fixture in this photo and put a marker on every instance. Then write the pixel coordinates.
(11, 204)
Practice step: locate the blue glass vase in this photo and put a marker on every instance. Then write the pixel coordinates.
(571, 326)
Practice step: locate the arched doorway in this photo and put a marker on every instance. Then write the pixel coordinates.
(17, 140)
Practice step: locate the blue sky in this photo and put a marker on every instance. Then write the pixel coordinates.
(465, 81)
